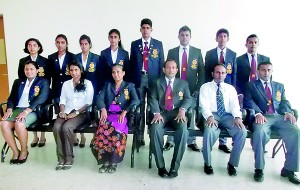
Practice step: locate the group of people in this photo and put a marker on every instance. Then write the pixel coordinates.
(115, 81)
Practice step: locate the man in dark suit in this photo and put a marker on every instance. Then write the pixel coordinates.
(169, 99)
(146, 61)
(244, 63)
(189, 60)
(226, 56)
(272, 112)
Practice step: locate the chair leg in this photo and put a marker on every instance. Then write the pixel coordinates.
(277, 147)
(4, 152)
(150, 156)
(132, 150)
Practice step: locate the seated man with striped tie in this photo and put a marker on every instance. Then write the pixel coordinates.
(221, 110)
(272, 112)
(169, 100)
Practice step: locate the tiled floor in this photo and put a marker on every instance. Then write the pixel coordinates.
(38, 172)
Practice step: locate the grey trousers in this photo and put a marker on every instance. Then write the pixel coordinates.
(143, 90)
(211, 135)
(63, 131)
(180, 137)
(288, 132)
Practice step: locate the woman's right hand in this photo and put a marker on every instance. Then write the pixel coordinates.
(103, 116)
(7, 114)
(62, 115)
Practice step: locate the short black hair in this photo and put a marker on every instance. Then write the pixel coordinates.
(32, 63)
(264, 63)
(38, 43)
(87, 38)
(146, 21)
(219, 64)
(251, 36)
(184, 29)
(168, 60)
(222, 30)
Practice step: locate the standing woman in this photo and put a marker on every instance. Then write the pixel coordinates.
(115, 54)
(115, 101)
(25, 95)
(76, 94)
(90, 63)
(34, 48)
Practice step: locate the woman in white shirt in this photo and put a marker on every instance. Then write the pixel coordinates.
(76, 95)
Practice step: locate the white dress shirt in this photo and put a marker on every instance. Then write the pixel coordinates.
(114, 55)
(84, 62)
(219, 53)
(76, 100)
(24, 100)
(61, 60)
(208, 100)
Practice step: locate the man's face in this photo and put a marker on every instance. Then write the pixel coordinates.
(146, 30)
(219, 74)
(170, 69)
(184, 38)
(252, 45)
(265, 72)
(222, 40)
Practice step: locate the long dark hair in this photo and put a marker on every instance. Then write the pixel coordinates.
(81, 86)
(119, 34)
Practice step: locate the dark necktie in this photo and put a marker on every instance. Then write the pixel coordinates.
(222, 57)
(145, 56)
(253, 69)
(269, 95)
(169, 97)
(184, 65)
(220, 102)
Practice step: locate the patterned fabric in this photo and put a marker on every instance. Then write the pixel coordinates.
(169, 97)
(222, 57)
(184, 64)
(145, 56)
(253, 69)
(269, 95)
(220, 102)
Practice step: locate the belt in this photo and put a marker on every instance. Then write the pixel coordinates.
(144, 73)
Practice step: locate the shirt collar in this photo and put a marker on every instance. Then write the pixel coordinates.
(149, 40)
(187, 48)
(219, 50)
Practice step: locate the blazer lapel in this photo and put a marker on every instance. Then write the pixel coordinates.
(21, 88)
(261, 89)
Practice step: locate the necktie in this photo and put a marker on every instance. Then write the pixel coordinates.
(220, 102)
(222, 57)
(145, 56)
(253, 69)
(169, 97)
(269, 95)
(184, 65)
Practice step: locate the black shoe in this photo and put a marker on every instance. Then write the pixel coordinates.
(41, 144)
(34, 144)
(173, 173)
(162, 172)
(224, 148)
(168, 146)
(208, 169)
(141, 142)
(290, 175)
(231, 170)
(258, 175)
(82, 142)
(76, 143)
(23, 160)
(14, 161)
(194, 147)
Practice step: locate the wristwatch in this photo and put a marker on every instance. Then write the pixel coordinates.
(77, 112)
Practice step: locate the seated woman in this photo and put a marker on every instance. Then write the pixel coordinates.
(26, 94)
(114, 101)
(76, 94)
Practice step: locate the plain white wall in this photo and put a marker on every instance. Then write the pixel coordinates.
(275, 22)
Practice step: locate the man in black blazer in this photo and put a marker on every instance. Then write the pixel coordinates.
(244, 62)
(169, 99)
(189, 60)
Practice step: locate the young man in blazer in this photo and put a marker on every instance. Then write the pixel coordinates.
(272, 112)
(189, 61)
(146, 62)
(224, 55)
(169, 99)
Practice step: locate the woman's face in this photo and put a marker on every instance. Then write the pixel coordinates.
(85, 46)
(75, 72)
(118, 73)
(33, 47)
(114, 39)
(61, 44)
(30, 71)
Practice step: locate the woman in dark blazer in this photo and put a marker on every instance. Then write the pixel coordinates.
(115, 101)
(90, 63)
(115, 54)
(25, 95)
(34, 48)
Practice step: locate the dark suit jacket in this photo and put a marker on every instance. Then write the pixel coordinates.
(42, 63)
(38, 92)
(211, 59)
(155, 61)
(195, 72)
(92, 71)
(126, 98)
(106, 64)
(243, 70)
(59, 76)
(256, 98)
(181, 95)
